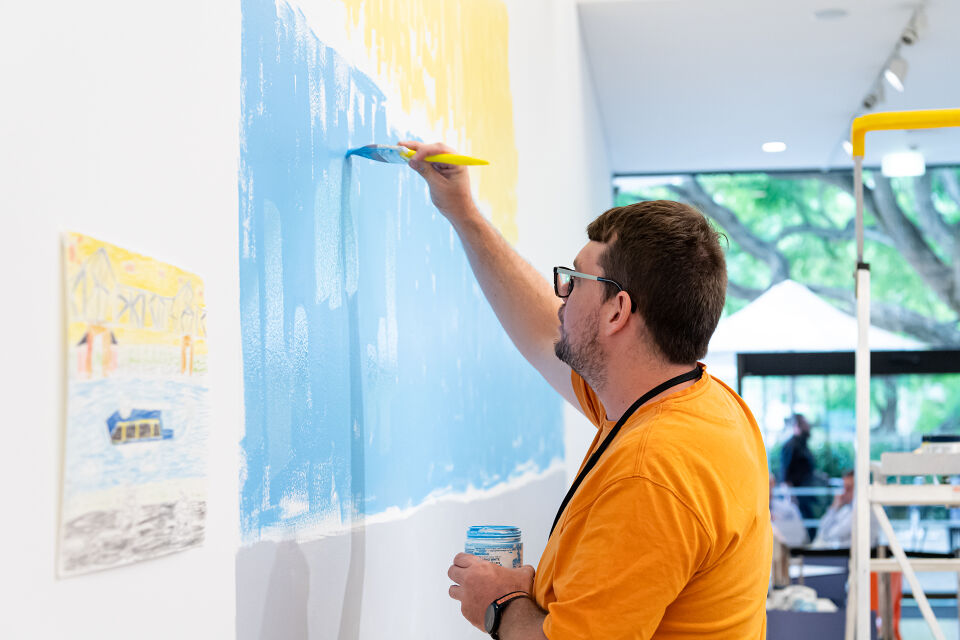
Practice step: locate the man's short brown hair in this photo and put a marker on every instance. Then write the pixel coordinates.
(668, 258)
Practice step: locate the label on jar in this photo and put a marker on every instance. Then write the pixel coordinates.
(505, 555)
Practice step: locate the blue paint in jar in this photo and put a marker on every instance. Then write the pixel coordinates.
(497, 544)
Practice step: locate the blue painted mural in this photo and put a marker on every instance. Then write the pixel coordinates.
(375, 374)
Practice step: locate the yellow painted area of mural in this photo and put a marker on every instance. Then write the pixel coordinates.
(131, 298)
(451, 59)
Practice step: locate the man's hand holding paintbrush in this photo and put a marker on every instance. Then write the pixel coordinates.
(449, 184)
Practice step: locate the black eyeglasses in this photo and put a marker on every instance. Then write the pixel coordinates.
(563, 283)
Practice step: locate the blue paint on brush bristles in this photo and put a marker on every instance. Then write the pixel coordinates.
(380, 153)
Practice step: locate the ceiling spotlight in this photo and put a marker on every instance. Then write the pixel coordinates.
(774, 147)
(848, 147)
(903, 164)
(873, 98)
(896, 73)
(911, 33)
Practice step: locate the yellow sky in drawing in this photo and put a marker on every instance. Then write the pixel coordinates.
(451, 60)
(132, 270)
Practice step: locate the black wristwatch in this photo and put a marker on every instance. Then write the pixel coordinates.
(491, 619)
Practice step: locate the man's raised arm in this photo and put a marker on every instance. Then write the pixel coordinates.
(521, 297)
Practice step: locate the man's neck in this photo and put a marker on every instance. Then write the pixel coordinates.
(624, 386)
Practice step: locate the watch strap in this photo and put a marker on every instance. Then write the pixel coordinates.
(499, 605)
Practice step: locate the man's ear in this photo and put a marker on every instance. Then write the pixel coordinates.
(618, 313)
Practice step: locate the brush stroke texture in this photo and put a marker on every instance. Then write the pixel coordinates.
(375, 374)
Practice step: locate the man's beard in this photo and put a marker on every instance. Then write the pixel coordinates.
(586, 359)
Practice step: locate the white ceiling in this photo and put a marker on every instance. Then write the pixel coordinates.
(699, 85)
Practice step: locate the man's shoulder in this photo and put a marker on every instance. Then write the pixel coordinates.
(702, 450)
(714, 417)
(687, 436)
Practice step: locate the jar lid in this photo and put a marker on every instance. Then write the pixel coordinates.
(493, 532)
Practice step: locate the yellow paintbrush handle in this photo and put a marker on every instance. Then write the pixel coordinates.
(446, 158)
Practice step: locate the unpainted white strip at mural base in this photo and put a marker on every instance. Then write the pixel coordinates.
(332, 526)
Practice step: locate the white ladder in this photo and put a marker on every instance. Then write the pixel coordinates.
(881, 494)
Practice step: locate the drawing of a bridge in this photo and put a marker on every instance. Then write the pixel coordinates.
(98, 298)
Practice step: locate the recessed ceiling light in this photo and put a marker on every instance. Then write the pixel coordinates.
(848, 147)
(833, 13)
(774, 147)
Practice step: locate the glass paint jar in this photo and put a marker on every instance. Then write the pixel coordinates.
(497, 544)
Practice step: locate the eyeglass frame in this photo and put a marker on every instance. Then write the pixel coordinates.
(586, 276)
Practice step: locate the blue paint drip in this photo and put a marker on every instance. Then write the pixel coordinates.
(374, 371)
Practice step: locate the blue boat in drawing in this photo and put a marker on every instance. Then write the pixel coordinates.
(139, 426)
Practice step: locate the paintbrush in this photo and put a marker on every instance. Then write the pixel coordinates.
(401, 155)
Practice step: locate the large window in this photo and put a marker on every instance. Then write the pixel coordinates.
(799, 227)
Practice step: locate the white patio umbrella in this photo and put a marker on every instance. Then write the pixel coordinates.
(789, 317)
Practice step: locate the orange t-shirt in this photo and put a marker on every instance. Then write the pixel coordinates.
(669, 535)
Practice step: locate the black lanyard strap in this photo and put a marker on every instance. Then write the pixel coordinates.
(694, 374)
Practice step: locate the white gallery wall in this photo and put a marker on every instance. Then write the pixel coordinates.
(121, 122)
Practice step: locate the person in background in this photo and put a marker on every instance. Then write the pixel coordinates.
(666, 533)
(798, 467)
(836, 530)
(786, 519)
(836, 525)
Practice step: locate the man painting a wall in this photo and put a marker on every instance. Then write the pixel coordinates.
(666, 531)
